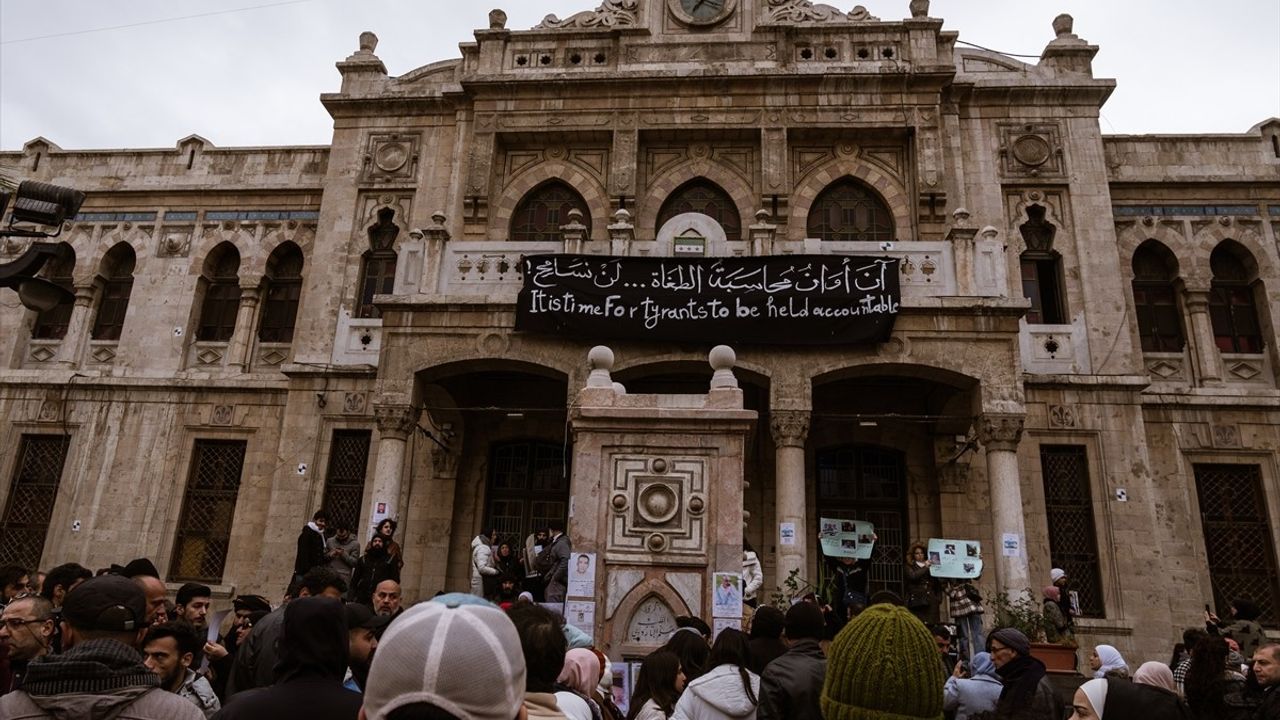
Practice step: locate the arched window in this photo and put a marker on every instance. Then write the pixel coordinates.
(1155, 299)
(378, 263)
(1042, 270)
(52, 324)
(703, 196)
(1232, 302)
(848, 211)
(283, 286)
(221, 279)
(543, 210)
(117, 285)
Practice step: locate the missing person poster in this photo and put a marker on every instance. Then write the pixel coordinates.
(726, 594)
(582, 575)
(955, 559)
(582, 615)
(846, 538)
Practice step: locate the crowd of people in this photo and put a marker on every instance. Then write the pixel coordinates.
(114, 645)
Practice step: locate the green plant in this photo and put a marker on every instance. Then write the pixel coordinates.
(793, 587)
(1019, 612)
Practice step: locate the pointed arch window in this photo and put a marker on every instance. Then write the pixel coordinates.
(848, 211)
(1042, 270)
(221, 302)
(283, 287)
(705, 197)
(1155, 298)
(378, 264)
(1233, 305)
(543, 210)
(117, 285)
(52, 324)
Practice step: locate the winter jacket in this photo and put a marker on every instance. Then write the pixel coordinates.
(752, 578)
(313, 659)
(923, 591)
(256, 658)
(650, 711)
(481, 564)
(970, 696)
(574, 706)
(95, 680)
(1269, 709)
(1027, 694)
(310, 549)
(791, 685)
(370, 570)
(346, 561)
(1248, 634)
(1058, 629)
(197, 690)
(558, 576)
(719, 695)
(542, 706)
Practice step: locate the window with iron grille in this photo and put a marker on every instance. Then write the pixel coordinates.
(705, 197)
(345, 476)
(1073, 539)
(1155, 299)
(528, 487)
(540, 214)
(34, 489)
(117, 286)
(1233, 306)
(1237, 538)
(221, 295)
(378, 264)
(208, 508)
(869, 483)
(848, 211)
(52, 324)
(280, 300)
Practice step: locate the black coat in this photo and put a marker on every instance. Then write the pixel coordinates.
(369, 571)
(310, 551)
(792, 684)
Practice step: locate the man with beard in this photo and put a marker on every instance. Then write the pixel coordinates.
(57, 583)
(311, 545)
(364, 628)
(372, 568)
(26, 627)
(169, 650)
(343, 551)
(386, 599)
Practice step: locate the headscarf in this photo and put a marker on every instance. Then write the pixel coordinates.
(982, 665)
(1054, 593)
(581, 671)
(1111, 660)
(1124, 700)
(1096, 691)
(1156, 674)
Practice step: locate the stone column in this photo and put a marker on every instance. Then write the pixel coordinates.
(71, 350)
(395, 422)
(1205, 347)
(790, 429)
(999, 435)
(241, 344)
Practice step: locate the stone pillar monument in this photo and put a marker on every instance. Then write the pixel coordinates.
(999, 435)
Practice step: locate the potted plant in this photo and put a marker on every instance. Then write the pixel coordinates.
(1023, 614)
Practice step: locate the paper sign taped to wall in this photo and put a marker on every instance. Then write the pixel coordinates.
(787, 533)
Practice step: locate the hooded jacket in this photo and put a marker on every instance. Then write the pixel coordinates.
(310, 549)
(313, 659)
(481, 564)
(99, 679)
(719, 695)
(976, 694)
(752, 578)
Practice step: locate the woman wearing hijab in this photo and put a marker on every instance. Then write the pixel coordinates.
(1106, 661)
(578, 678)
(1119, 699)
(1027, 694)
(978, 693)
(1157, 675)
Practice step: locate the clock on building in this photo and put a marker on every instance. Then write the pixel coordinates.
(702, 12)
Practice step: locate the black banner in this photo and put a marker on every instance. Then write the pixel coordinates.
(778, 300)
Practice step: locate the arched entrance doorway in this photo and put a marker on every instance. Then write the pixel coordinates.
(528, 487)
(868, 483)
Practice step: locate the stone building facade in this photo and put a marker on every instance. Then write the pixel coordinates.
(1084, 362)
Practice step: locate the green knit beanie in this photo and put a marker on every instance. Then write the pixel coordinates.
(883, 665)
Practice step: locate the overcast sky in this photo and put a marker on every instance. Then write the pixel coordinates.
(249, 72)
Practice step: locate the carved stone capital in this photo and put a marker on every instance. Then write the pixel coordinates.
(395, 421)
(1000, 432)
(790, 428)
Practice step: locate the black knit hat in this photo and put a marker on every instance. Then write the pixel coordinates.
(107, 603)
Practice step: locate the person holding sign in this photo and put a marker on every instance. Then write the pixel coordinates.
(923, 590)
(850, 588)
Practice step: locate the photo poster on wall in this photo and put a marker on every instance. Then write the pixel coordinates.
(582, 615)
(955, 559)
(846, 538)
(718, 624)
(726, 595)
(582, 575)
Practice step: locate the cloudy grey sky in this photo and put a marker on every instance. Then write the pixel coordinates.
(252, 76)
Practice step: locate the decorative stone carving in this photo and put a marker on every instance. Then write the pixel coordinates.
(174, 243)
(610, 14)
(222, 415)
(50, 411)
(617, 586)
(1226, 436)
(1031, 149)
(1062, 416)
(790, 428)
(391, 156)
(919, 8)
(600, 360)
(651, 501)
(210, 355)
(801, 11)
(497, 20)
(354, 403)
(651, 622)
(1000, 432)
(395, 421)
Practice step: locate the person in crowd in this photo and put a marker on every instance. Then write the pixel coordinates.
(1058, 578)
(482, 560)
(1027, 694)
(220, 667)
(311, 544)
(1156, 674)
(1119, 699)
(26, 628)
(387, 531)
(1058, 629)
(657, 687)
(375, 566)
(728, 690)
(696, 624)
(191, 605)
(1106, 661)
(923, 590)
(1266, 668)
(556, 563)
(57, 583)
(882, 665)
(579, 676)
(157, 598)
(752, 576)
(313, 651)
(1241, 625)
(508, 592)
(13, 582)
(791, 685)
(386, 599)
(447, 659)
(1190, 637)
(342, 550)
(36, 582)
(965, 604)
(974, 692)
(100, 673)
(690, 646)
(543, 646)
(363, 631)
(170, 650)
(603, 694)
(533, 546)
(766, 637)
(1214, 691)
(942, 641)
(256, 656)
(507, 560)
(850, 582)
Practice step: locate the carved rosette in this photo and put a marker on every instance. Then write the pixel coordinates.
(395, 421)
(1000, 432)
(799, 11)
(790, 428)
(610, 14)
